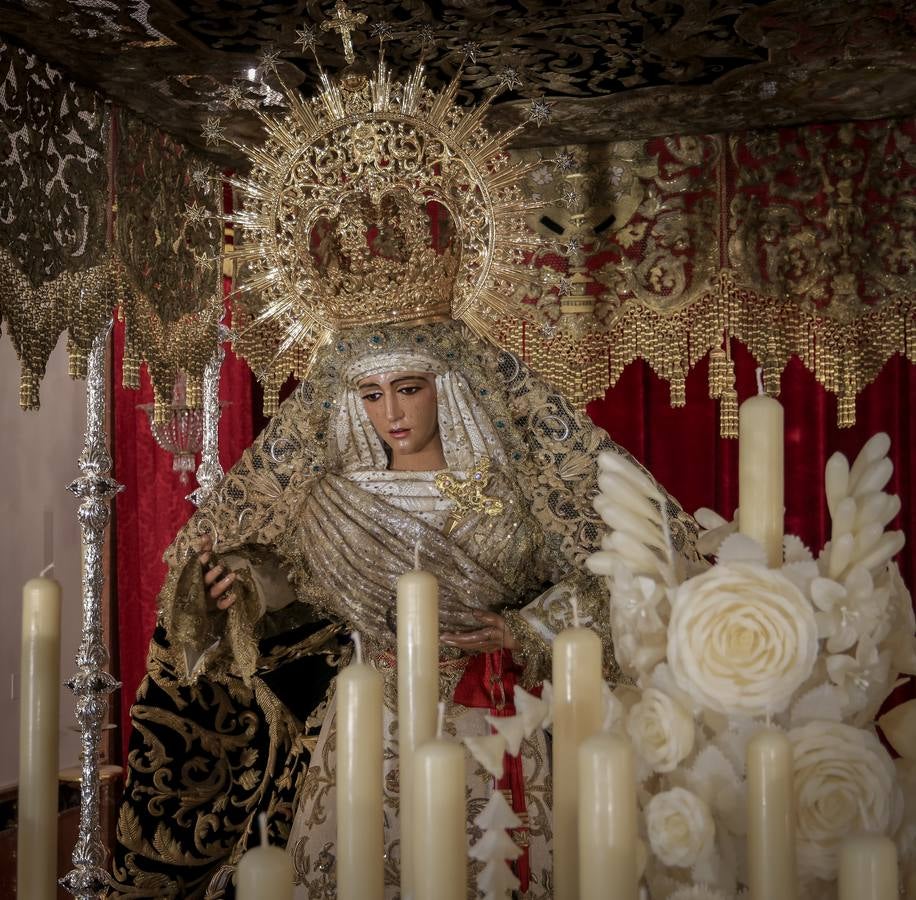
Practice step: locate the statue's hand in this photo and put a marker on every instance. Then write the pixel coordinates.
(216, 578)
(492, 636)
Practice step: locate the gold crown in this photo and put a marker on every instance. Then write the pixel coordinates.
(374, 202)
(383, 262)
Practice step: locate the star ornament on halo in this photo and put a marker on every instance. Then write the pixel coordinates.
(267, 61)
(213, 131)
(382, 31)
(573, 246)
(470, 50)
(426, 34)
(509, 78)
(233, 95)
(195, 214)
(570, 197)
(306, 38)
(201, 178)
(203, 262)
(539, 112)
(564, 162)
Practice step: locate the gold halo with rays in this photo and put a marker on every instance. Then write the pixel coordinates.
(365, 159)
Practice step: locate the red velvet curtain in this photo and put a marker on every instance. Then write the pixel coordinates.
(152, 508)
(682, 447)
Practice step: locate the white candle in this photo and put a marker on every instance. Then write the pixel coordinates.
(440, 842)
(760, 473)
(360, 838)
(607, 819)
(264, 872)
(577, 714)
(868, 868)
(38, 740)
(771, 817)
(418, 694)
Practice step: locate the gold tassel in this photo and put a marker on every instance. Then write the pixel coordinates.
(718, 370)
(76, 360)
(678, 389)
(772, 379)
(161, 410)
(194, 392)
(772, 374)
(728, 402)
(130, 370)
(271, 401)
(28, 389)
(728, 413)
(846, 410)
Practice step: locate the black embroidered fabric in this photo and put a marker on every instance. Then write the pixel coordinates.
(206, 758)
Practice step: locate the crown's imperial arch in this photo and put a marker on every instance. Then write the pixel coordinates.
(375, 201)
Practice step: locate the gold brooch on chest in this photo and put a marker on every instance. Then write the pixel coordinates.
(467, 494)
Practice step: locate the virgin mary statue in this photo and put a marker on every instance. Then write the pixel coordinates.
(348, 488)
(411, 441)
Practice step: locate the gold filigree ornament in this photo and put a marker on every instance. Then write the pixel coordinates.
(374, 202)
(467, 494)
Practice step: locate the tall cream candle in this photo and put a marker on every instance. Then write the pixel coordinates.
(264, 872)
(360, 839)
(440, 842)
(760, 473)
(418, 695)
(577, 714)
(771, 817)
(38, 740)
(607, 819)
(868, 868)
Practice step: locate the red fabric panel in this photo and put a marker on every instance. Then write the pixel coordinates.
(152, 507)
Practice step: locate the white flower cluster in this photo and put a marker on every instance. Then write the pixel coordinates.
(717, 652)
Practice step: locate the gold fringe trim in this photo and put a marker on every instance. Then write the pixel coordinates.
(78, 302)
(844, 356)
(168, 348)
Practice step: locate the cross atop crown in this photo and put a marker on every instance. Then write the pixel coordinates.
(345, 22)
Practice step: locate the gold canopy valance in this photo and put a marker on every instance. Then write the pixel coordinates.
(798, 241)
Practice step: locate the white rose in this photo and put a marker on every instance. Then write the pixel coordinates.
(844, 783)
(661, 731)
(680, 826)
(742, 639)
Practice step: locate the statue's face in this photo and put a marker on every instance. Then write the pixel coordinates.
(403, 410)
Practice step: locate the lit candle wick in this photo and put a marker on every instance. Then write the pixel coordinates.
(358, 643)
(48, 568)
(574, 602)
(760, 389)
(440, 723)
(262, 828)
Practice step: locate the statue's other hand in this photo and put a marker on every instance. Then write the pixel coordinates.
(216, 577)
(491, 636)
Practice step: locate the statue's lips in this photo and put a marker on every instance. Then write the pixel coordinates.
(399, 432)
